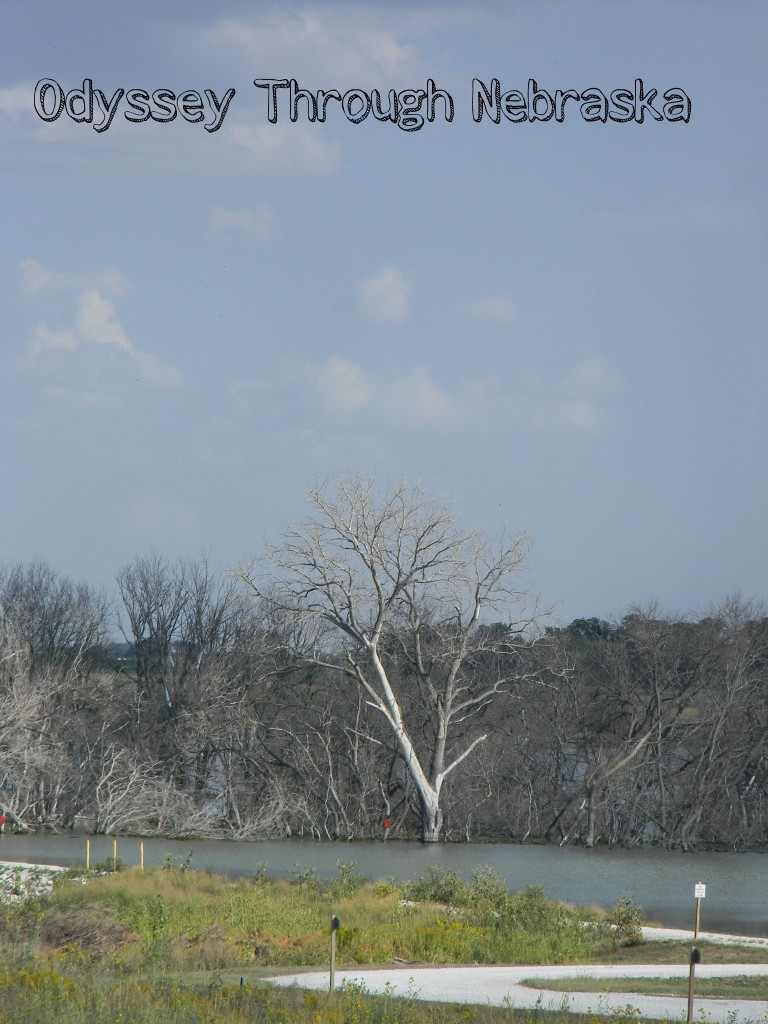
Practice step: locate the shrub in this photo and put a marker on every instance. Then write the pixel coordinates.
(489, 889)
(349, 880)
(306, 878)
(259, 875)
(387, 887)
(440, 886)
(626, 919)
(171, 863)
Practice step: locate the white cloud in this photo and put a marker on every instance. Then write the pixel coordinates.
(44, 339)
(96, 331)
(344, 386)
(416, 398)
(15, 102)
(283, 148)
(493, 309)
(257, 226)
(156, 373)
(384, 297)
(413, 398)
(241, 395)
(97, 323)
(574, 402)
(36, 278)
(246, 145)
(593, 377)
(335, 49)
(554, 416)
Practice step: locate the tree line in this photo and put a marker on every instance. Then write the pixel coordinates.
(381, 662)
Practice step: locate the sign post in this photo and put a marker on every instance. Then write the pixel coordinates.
(699, 891)
(695, 958)
(334, 929)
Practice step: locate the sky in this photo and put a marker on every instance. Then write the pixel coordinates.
(559, 325)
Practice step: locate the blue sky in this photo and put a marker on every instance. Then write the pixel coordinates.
(559, 325)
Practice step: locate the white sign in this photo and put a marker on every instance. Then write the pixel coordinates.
(700, 890)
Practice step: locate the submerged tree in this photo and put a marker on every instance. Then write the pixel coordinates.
(390, 591)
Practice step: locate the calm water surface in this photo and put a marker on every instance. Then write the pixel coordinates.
(659, 880)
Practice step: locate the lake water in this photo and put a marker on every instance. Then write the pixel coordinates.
(661, 881)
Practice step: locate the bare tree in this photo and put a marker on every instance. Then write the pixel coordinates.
(646, 737)
(154, 596)
(60, 621)
(390, 590)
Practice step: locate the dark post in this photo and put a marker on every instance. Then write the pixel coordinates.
(695, 958)
(334, 929)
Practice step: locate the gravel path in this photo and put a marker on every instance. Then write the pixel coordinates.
(503, 986)
(679, 934)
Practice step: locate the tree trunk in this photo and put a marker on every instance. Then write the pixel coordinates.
(431, 817)
(591, 811)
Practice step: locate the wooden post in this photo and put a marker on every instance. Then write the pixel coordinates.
(114, 855)
(87, 854)
(141, 854)
(334, 929)
(699, 892)
(695, 958)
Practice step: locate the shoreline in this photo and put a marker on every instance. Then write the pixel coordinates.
(22, 879)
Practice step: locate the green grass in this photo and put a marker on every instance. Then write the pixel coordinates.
(742, 987)
(170, 945)
(678, 952)
(45, 996)
(187, 920)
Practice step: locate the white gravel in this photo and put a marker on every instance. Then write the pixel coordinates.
(675, 934)
(19, 881)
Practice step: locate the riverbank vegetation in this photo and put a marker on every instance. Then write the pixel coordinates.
(180, 920)
(171, 945)
(381, 664)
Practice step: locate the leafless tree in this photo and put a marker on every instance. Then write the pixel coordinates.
(50, 631)
(59, 621)
(391, 591)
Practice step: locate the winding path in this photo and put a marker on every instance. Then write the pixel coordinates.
(503, 986)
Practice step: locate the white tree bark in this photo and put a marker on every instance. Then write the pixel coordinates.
(390, 592)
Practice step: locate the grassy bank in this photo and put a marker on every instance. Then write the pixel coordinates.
(170, 945)
(135, 921)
